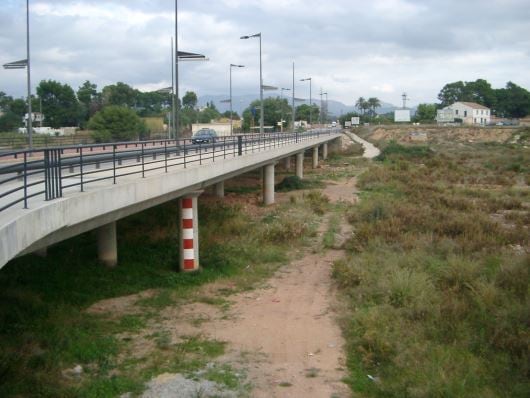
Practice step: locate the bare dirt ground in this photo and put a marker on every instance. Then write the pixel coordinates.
(441, 134)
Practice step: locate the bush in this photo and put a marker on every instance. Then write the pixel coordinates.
(407, 152)
(116, 123)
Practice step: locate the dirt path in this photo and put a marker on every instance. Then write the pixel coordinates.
(283, 335)
(370, 151)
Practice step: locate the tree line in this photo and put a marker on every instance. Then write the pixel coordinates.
(119, 104)
(511, 101)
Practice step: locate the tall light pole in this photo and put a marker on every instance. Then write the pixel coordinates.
(281, 106)
(326, 107)
(321, 107)
(173, 113)
(30, 114)
(260, 80)
(25, 63)
(294, 112)
(231, 117)
(176, 94)
(310, 99)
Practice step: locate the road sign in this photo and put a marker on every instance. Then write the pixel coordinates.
(347, 124)
(355, 120)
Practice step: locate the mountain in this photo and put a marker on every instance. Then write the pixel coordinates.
(241, 102)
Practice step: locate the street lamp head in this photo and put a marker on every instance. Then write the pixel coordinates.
(303, 80)
(249, 36)
(285, 89)
(236, 66)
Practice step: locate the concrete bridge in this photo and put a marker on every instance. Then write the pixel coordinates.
(49, 195)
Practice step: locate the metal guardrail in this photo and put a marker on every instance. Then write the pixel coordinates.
(49, 172)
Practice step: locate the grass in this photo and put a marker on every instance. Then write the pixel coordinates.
(438, 296)
(44, 328)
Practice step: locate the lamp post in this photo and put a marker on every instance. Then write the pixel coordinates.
(231, 116)
(25, 63)
(310, 104)
(281, 106)
(260, 80)
(321, 107)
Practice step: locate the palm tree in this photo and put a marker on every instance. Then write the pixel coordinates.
(361, 104)
(373, 103)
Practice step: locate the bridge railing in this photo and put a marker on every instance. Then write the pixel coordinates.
(48, 173)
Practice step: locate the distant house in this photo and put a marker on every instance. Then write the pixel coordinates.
(470, 113)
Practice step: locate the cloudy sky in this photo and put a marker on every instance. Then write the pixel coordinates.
(350, 48)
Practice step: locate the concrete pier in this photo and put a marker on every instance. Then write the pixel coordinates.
(220, 189)
(189, 232)
(325, 151)
(300, 165)
(107, 244)
(287, 163)
(315, 157)
(268, 184)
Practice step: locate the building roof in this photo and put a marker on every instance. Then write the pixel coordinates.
(473, 105)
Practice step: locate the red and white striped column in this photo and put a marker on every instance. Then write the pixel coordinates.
(189, 232)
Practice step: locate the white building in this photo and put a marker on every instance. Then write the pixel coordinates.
(470, 113)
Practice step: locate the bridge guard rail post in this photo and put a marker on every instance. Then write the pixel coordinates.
(240, 145)
(52, 174)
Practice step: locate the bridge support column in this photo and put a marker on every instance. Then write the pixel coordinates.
(268, 184)
(300, 165)
(325, 151)
(315, 157)
(189, 232)
(220, 189)
(287, 163)
(107, 244)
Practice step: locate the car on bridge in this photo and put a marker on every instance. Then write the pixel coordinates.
(204, 136)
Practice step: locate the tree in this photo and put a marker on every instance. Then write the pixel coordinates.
(451, 93)
(480, 91)
(59, 104)
(273, 109)
(302, 112)
(116, 123)
(235, 116)
(87, 93)
(362, 105)
(512, 101)
(119, 94)
(347, 117)
(189, 100)
(89, 98)
(18, 107)
(425, 113)
(373, 103)
(207, 115)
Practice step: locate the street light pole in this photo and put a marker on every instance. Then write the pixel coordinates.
(172, 124)
(231, 117)
(30, 115)
(260, 80)
(176, 112)
(310, 99)
(281, 106)
(294, 112)
(321, 103)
